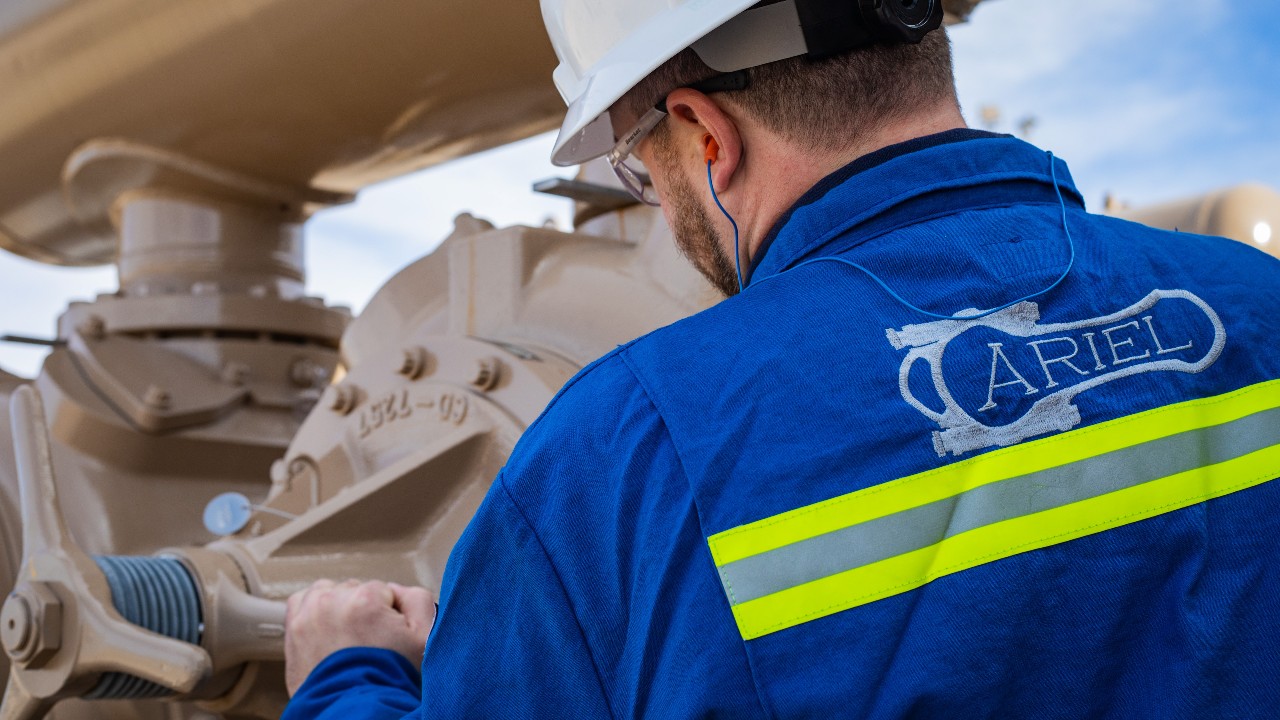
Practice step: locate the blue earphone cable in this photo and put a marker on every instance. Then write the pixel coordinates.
(737, 254)
(1053, 171)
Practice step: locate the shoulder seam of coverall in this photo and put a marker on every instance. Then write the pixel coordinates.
(582, 635)
(765, 707)
(582, 374)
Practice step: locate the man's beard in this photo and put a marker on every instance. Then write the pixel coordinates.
(695, 236)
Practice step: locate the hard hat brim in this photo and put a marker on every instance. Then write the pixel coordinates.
(587, 132)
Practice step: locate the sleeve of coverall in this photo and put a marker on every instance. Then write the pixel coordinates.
(358, 684)
(505, 644)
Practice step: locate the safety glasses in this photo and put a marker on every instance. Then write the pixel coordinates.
(630, 171)
(633, 174)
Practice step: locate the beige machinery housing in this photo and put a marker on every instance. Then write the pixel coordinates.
(187, 141)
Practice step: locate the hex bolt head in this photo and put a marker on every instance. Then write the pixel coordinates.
(157, 398)
(341, 399)
(413, 362)
(307, 373)
(488, 373)
(93, 328)
(31, 624)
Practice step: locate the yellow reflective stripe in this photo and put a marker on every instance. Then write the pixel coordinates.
(921, 489)
(906, 572)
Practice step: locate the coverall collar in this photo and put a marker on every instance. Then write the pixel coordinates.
(931, 176)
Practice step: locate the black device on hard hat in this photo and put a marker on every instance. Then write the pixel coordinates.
(832, 27)
(781, 29)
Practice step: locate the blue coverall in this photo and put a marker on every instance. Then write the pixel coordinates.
(813, 501)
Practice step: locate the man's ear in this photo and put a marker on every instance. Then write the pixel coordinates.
(696, 118)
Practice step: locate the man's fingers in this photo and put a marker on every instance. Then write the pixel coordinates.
(418, 605)
(374, 594)
(298, 600)
(329, 616)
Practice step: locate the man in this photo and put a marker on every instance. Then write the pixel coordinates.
(951, 448)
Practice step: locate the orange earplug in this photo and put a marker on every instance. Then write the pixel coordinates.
(713, 148)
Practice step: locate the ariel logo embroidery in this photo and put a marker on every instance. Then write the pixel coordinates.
(1054, 362)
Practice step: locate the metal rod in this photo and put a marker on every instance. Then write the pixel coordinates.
(24, 340)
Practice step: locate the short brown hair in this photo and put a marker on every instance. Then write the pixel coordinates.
(826, 103)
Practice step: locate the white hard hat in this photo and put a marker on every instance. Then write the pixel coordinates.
(606, 47)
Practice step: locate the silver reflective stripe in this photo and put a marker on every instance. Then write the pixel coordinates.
(885, 537)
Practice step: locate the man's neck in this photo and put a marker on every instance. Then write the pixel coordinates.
(785, 173)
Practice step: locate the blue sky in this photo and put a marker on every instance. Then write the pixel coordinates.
(1148, 101)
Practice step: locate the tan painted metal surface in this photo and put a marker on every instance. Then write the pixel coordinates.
(328, 94)
(1248, 213)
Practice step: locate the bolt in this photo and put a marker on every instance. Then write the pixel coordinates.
(31, 624)
(467, 224)
(488, 373)
(235, 373)
(307, 373)
(93, 328)
(341, 399)
(157, 398)
(413, 362)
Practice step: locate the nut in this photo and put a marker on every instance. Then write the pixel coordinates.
(157, 398)
(235, 373)
(488, 373)
(93, 328)
(341, 399)
(306, 373)
(31, 624)
(413, 362)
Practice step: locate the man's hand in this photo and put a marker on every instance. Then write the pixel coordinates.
(328, 617)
